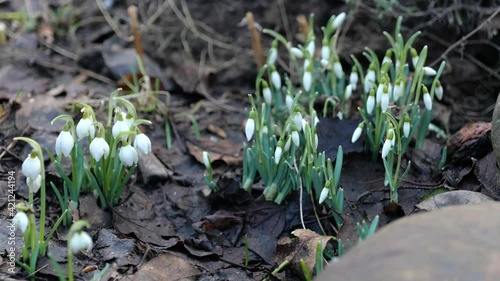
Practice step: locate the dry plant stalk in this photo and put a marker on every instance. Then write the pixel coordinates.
(258, 53)
(303, 27)
(134, 24)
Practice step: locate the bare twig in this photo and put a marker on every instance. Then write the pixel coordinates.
(463, 39)
(111, 23)
(134, 24)
(258, 53)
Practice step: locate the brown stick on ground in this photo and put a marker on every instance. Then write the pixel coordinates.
(134, 23)
(258, 53)
(303, 27)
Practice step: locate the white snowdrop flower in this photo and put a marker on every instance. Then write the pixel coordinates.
(99, 148)
(414, 57)
(387, 147)
(206, 160)
(393, 140)
(325, 51)
(34, 184)
(406, 126)
(384, 101)
(250, 126)
(427, 101)
(307, 81)
(128, 155)
(315, 121)
(142, 144)
(273, 53)
(337, 68)
(31, 166)
(288, 143)
(276, 79)
(323, 195)
(357, 133)
(64, 143)
(340, 116)
(354, 78)
(277, 154)
(297, 52)
(380, 91)
(307, 62)
(304, 123)
(370, 103)
(324, 63)
(20, 220)
(348, 92)
(339, 19)
(118, 127)
(438, 90)
(315, 141)
(297, 120)
(129, 119)
(311, 47)
(369, 80)
(84, 128)
(387, 57)
(289, 103)
(295, 138)
(398, 90)
(429, 71)
(80, 241)
(266, 93)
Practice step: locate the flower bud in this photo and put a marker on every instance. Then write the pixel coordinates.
(337, 67)
(339, 19)
(387, 144)
(438, 90)
(324, 194)
(369, 79)
(384, 100)
(398, 90)
(277, 152)
(120, 126)
(295, 138)
(289, 103)
(357, 132)
(84, 128)
(297, 52)
(429, 71)
(427, 98)
(311, 47)
(354, 78)
(206, 160)
(406, 126)
(414, 57)
(273, 53)
(325, 50)
(348, 92)
(250, 125)
(370, 102)
(307, 80)
(266, 93)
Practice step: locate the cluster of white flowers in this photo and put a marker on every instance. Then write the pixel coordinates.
(99, 147)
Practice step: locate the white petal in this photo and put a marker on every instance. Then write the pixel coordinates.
(323, 195)
(348, 92)
(337, 22)
(406, 129)
(249, 128)
(206, 159)
(439, 92)
(99, 148)
(369, 81)
(307, 81)
(325, 53)
(427, 101)
(268, 98)
(297, 52)
(272, 56)
(311, 48)
(31, 167)
(20, 220)
(337, 69)
(142, 144)
(34, 184)
(386, 148)
(370, 104)
(297, 120)
(276, 79)
(353, 80)
(64, 143)
(118, 127)
(356, 134)
(384, 102)
(289, 103)
(295, 138)
(277, 155)
(80, 241)
(429, 71)
(83, 128)
(128, 155)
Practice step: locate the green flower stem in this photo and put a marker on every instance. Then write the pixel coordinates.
(111, 106)
(68, 119)
(43, 195)
(130, 107)
(74, 228)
